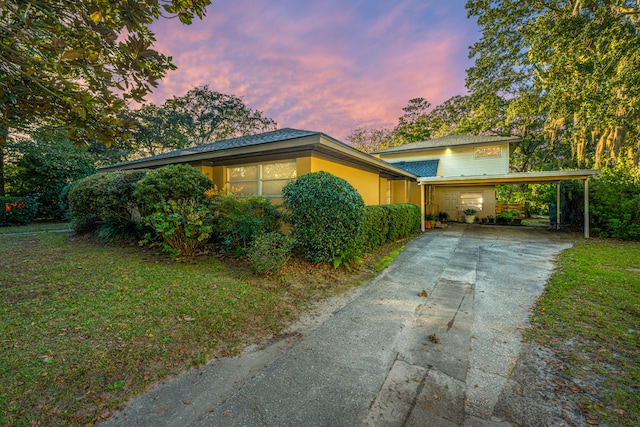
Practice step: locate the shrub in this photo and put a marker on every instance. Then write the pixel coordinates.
(239, 220)
(326, 215)
(404, 220)
(17, 210)
(375, 228)
(173, 182)
(388, 223)
(184, 226)
(269, 252)
(106, 200)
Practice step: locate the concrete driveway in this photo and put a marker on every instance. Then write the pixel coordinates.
(382, 355)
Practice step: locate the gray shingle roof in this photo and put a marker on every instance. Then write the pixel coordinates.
(243, 141)
(424, 168)
(448, 141)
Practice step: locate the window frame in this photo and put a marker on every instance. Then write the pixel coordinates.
(259, 180)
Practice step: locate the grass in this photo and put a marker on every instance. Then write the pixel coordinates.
(590, 315)
(85, 326)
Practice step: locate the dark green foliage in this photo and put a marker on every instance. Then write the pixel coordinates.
(615, 203)
(388, 223)
(106, 199)
(375, 229)
(269, 252)
(182, 226)
(237, 221)
(404, 220)
(17, 210)
(326, 215)
(173, 182)
(42, 168)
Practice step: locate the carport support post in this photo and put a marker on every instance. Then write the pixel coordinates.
(558, 206)
(586, 208)
(422, 190)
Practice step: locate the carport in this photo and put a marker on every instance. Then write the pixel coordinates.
(427, 185)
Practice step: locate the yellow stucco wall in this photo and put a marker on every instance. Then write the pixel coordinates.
(371, 186)
(366, 183)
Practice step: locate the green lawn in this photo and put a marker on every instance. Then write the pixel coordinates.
(84, 326)
(590, 315)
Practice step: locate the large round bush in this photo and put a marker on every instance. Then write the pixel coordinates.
(105, 198)
(326, 215)
(172, 182)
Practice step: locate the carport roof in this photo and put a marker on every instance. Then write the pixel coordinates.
(510, 178)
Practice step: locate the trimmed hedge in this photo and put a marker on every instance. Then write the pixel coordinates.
(326, 215)
(17, 210)
(388, 223)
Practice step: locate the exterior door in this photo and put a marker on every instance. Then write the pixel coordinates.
(451, 205)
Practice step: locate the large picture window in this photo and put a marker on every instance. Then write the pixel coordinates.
(265, 179)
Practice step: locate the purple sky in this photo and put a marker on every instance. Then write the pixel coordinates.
(326, 66)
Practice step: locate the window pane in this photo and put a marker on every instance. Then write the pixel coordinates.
(245, 188)
(242, 173)
(488, 152)
(279, 170)
(471, 200)
(274, 188)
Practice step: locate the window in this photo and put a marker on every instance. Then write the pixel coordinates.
(266, 179)
(483, 152)
(471, 200)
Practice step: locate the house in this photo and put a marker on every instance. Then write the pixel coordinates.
(448, 174)
(262, 164)
(458, 172)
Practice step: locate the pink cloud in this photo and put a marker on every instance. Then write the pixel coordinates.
(324, 66)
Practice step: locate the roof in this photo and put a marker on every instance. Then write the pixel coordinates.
(447, 142)
(425, 168)
(226, 144)
(278, 142)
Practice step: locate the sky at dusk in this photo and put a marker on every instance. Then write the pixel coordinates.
(326, 66)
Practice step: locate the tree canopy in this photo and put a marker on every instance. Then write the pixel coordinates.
(73, 64)
(579, 60)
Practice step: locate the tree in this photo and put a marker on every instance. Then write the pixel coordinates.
(42, 168)
(370, 140)
(579, 59)
(215, 116)
(156, 130)
(73, 64)
(414, 124)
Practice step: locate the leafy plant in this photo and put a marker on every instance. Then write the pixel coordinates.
(269, 252)
(17, 210)
(429, 216)
(172, 182)
(326, 215)
(182, 226)
(443, 216)
(237, 220)
(470, 211)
